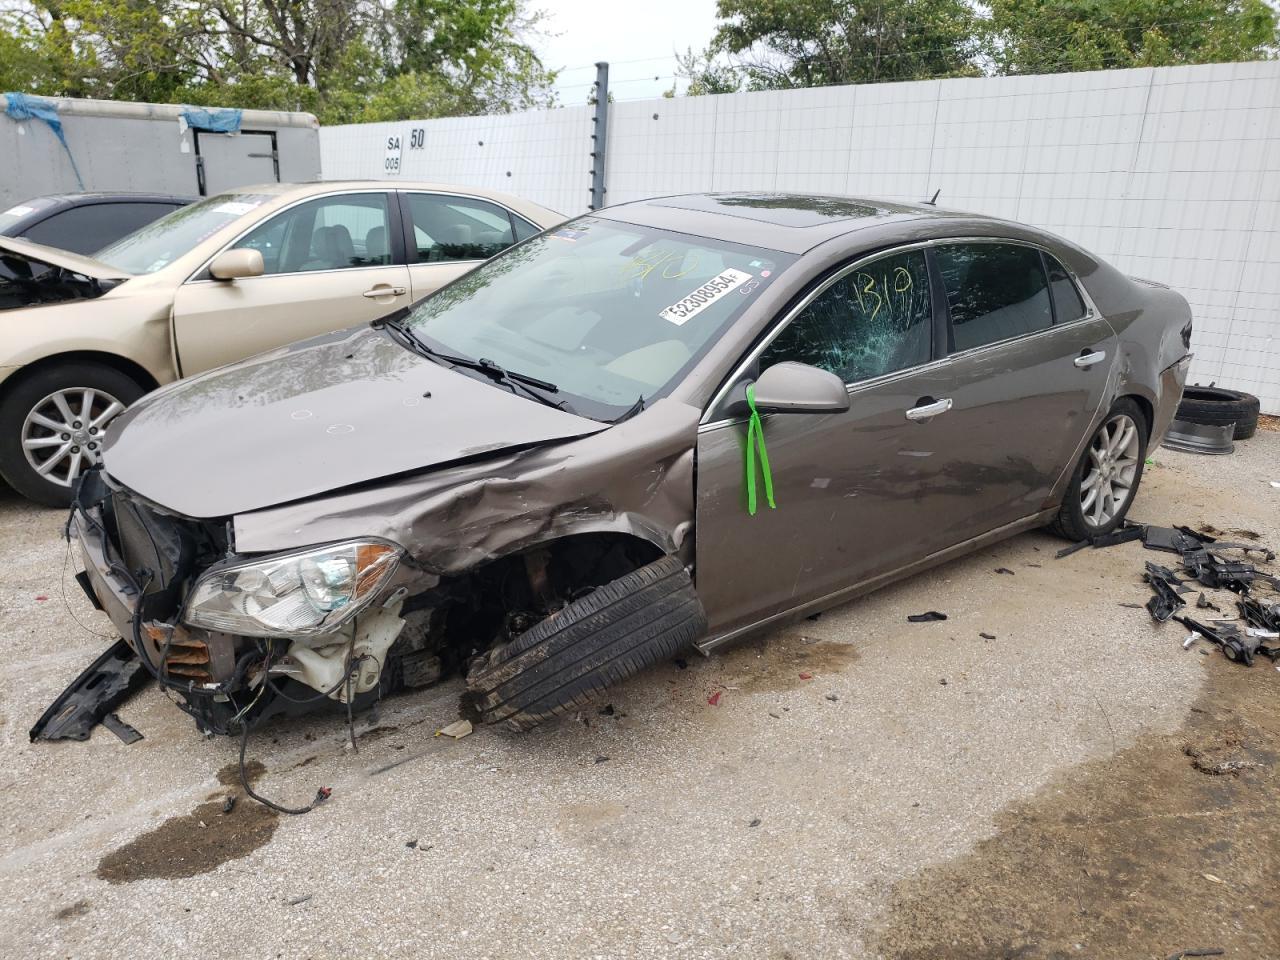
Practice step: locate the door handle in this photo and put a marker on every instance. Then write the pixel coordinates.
(1086, 360)
(928, 408)
(383, 290)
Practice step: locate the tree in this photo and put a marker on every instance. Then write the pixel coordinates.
(1053, 36)
(345, 60)
(774, 44)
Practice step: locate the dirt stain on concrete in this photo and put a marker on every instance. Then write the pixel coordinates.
(784, 662)
(1111, 860)
(70, 912)
(199, 841)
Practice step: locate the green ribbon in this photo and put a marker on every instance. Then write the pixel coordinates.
(755, 436)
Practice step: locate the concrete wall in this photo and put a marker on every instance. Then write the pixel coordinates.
(131, 146)
(540, 155)
(1171, 174)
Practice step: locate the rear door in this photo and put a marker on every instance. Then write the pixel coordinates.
(446, 235)
(1028, 367)
(330, 263)
(225, 161)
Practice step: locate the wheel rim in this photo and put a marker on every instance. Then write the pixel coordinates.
(63, 433)
(1111, 470)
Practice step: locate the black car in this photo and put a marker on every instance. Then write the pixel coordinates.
(85, 222)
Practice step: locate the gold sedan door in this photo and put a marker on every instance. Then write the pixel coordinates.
(329, 264)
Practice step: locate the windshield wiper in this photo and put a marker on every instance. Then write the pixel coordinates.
(637, 407)
(493, 371)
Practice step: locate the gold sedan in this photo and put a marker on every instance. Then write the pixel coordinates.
(220, 280)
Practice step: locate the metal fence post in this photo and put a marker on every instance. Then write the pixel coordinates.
(600, 136)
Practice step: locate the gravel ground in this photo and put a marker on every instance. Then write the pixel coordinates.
(778, 822)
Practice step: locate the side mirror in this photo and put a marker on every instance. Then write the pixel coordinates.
(796, 388)
(237, 263)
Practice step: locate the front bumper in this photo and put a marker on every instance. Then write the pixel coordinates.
(192, 658)
(109, 591)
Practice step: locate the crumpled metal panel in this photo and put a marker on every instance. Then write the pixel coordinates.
(634, 478)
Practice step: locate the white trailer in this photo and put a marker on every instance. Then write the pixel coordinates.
(159, 148)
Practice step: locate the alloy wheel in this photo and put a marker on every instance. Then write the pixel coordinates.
(1111, 470)
(63, 433)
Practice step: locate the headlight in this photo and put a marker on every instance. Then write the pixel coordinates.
(296, 594)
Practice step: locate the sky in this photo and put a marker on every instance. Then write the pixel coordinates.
(638, 39)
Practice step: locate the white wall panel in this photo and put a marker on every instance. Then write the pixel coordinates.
(1169, 173)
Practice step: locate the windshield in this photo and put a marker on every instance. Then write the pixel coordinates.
(607, 311)
(158, 244)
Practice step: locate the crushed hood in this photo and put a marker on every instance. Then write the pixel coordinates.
(86, 266)
(317, 416)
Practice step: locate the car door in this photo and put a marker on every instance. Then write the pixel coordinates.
(329, 263)
(446, 235)
(854, 491)
(1027, 370)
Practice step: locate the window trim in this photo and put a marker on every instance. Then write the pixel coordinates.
(411, 243)
(941, 357)
(201, 273)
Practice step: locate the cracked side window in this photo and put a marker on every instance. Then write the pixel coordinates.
(873, 321)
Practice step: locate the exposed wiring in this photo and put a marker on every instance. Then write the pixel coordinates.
(321, 794)
(246, 728)
(66, 562)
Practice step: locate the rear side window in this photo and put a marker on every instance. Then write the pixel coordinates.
(89, 228)
(457, 228)
(995, 291)
(873, 321)
(524, 229)
(1067, 304)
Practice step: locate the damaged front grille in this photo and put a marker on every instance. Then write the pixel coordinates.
(183, 655)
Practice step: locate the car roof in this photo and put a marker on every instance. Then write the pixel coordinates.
(78, 199)
(787, 222)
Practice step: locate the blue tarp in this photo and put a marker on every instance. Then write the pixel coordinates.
(213, 119)
(22, 107)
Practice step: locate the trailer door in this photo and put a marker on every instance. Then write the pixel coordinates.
(225, 160)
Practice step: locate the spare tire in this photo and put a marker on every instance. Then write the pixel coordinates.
(1215, 406)
(608, 635)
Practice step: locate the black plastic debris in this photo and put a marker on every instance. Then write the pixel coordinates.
(127, 732)
(1214, 571)
(1204, 603)
(1173, 539)
(1004, 570)
(98, 691)
(1124, 534)
(1235, 646)
(1166, 600)
(1068, 551)
(926, 617)
(1260, 615)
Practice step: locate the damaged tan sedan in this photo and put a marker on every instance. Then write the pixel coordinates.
(659, 426)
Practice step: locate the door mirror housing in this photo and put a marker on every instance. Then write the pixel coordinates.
(791, 387)
(235, 264)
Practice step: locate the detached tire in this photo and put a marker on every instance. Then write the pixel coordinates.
(1215, 406)
(612, 633)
